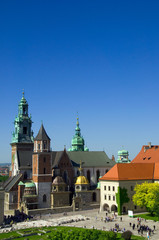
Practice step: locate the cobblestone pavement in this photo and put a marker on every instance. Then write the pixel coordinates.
(88, 219)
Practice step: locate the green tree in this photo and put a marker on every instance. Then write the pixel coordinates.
(147, 195)
(121, 198)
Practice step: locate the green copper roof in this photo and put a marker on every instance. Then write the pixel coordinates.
(21, 183)
(90, 159)
(30, 184)
(78, 140)
(22, 124)
(123, 156)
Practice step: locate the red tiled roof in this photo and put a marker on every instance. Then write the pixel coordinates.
(147, 155)
(132, 171)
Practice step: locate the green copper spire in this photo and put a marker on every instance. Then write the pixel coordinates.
(22, 124)
(77, 140)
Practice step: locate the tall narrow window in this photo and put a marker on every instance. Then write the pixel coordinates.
(38, 146)
(88, 175)
(44, 170)
(44, 198)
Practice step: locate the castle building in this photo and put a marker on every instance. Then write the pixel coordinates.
(39, 176)
(144, 168)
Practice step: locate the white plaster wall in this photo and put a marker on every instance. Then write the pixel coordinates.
(123, 184)
(108, 193)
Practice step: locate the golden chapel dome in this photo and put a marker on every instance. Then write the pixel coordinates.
(82, 180)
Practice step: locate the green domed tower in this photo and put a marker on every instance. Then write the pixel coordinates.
(77, 140)
(22, 123)
(123, 157)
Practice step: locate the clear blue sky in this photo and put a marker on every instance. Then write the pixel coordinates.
(100, 58)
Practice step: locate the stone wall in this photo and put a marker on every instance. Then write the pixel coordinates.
(60, 209)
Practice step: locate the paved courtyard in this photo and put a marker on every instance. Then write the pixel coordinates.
(87, 219)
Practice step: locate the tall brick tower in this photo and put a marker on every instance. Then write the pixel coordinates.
(41, 168)
(22, 137)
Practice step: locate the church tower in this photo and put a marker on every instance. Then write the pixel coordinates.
(22, 137)
(41, 168)
(78, 140)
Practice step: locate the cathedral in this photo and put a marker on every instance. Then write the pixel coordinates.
(44, 179)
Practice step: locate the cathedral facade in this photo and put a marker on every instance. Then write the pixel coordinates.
(42, 178)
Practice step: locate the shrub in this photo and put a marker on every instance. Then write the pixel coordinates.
(127, 235)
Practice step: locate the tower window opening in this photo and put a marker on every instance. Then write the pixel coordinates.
(44, 170)
(38, 146)
(24, 130)
(24, 110)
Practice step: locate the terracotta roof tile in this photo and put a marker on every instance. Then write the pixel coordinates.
(156, 171)
(129, 171)
(147, 155)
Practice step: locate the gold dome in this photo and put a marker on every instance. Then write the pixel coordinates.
(82, 180)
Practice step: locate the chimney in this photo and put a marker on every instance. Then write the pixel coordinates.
(113, 158)
(149, 144)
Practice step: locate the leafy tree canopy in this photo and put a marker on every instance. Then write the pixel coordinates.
(147, 195)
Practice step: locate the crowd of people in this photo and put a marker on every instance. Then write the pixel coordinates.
(19, 217)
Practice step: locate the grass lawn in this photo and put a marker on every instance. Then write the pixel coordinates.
(147, 216)
(57, 233)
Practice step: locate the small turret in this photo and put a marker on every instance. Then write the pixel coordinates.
(42, 141)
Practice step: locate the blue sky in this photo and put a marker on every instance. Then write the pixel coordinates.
(97, 58)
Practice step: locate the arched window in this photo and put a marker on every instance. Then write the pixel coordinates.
(97, 175)
(44, 198)
(88, 175)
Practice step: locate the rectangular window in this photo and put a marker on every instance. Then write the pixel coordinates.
(105, 197)
(44, 159)
(113, 188)
(104, 187)
(113, 198)
(132, 188)
(109, 197)
(44, 170)
(38, 146)
(108, 188)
